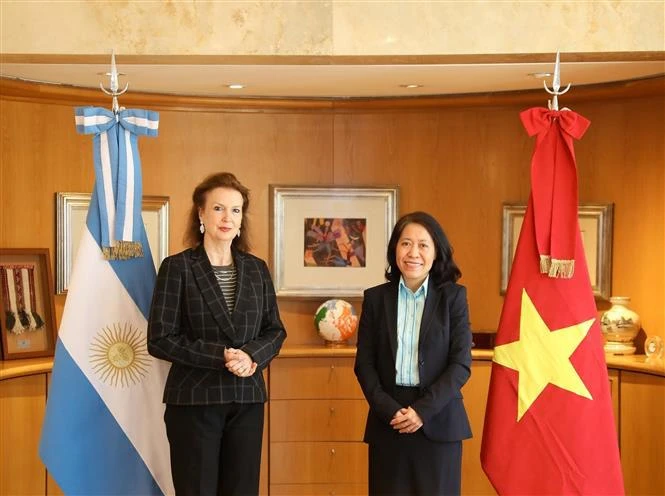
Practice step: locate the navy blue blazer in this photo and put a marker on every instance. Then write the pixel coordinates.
(190, 326)
(444, 360)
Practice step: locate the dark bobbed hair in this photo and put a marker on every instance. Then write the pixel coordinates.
(444, 268)
(193, 236)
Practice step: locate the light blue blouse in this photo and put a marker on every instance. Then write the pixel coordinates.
(410, 308)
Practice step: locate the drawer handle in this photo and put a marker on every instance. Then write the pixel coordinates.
(332, 451)
(331, 374)
(332, 410)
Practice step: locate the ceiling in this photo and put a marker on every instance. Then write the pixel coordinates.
(332, 81)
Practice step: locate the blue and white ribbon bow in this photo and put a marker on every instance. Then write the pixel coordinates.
(118, 184)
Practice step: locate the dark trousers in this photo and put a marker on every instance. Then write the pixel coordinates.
(216, 449)
(412, 464)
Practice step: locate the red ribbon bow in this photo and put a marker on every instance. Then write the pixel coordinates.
(554, 185)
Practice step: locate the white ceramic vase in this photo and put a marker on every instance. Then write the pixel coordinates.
(620, 325)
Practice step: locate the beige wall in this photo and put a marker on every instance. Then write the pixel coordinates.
(328, 28)
(458, 160)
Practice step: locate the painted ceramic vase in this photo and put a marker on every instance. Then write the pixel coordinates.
(620, 325)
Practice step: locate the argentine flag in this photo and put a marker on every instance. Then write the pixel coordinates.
(104, 432)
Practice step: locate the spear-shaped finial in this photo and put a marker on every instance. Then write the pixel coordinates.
(556, 85)
(114, 84)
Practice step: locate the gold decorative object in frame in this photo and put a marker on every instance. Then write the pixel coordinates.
(28, 312)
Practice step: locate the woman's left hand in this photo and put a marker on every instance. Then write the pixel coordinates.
(239, 363)
(406, 421)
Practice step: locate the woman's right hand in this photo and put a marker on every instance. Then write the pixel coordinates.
(406, 421)
(239, 363)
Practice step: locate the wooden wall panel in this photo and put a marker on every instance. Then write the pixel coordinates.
(261, 149)
(622, 160)
(460, 163)
(42, 154)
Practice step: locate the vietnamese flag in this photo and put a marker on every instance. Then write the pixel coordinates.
(549, 426)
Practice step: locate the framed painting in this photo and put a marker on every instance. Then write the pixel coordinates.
(596, 221)
(71, 211)
(330, 241)
(28, 314)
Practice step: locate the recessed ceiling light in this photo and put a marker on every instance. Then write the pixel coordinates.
(410, 86)
(540, 75)
(235, 86)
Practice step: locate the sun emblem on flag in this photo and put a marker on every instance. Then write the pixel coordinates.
(119, 355)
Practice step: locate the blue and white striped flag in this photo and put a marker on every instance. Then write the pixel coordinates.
(104, 431)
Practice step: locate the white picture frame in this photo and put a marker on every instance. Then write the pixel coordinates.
(71, 212)
(596, 223)
(295, 272)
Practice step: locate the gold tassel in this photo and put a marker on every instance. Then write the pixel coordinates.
(545, 262)
(123, 250)
(563, 269)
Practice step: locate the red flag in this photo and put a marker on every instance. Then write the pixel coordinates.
(549, 427)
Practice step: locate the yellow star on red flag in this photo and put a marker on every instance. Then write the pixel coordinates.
(542, 356)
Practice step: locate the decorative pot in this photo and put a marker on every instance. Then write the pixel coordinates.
(335, 321)
(620, 325)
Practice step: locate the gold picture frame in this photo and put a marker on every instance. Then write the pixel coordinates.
(71, 211)
(596, 223)
(357, 221)
(27, 324)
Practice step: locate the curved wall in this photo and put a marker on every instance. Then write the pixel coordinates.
(459, 158)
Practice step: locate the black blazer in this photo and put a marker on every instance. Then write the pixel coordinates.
(190, 326)
(444, 360)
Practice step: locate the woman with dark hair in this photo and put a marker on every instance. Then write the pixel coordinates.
(214, 316)
(413, 357)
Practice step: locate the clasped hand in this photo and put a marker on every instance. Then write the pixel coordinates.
(239, 363)
(406, 421)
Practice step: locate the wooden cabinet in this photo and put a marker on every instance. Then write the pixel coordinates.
(642, 438)
(22, 407)
(313, 378)
(474, 480)
(337, 489)
(317, 420)
(613, 376)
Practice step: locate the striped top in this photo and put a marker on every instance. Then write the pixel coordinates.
(227, 277)
(410, 308)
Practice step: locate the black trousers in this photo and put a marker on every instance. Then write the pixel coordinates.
(412, 464)
(216, 449)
